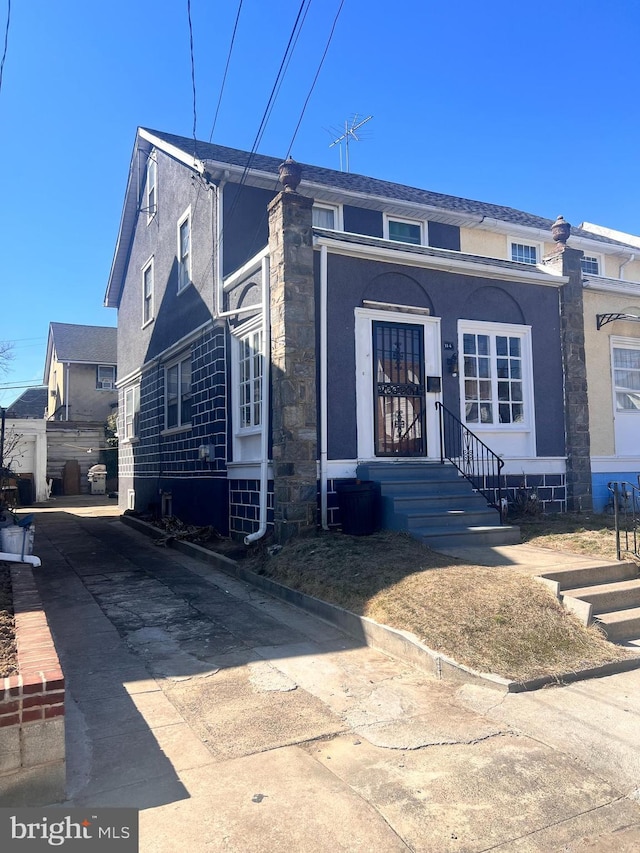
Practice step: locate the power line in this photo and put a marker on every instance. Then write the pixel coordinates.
(226, 69)
(315, 79)
(265, 115)
(193, 75)
(6, 41)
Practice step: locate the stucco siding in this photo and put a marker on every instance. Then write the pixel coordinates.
(598, 361)
(449, 297)
(175, 314)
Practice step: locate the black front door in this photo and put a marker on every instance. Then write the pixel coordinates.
(399, 389)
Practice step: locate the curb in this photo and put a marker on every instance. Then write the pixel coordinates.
(392, 641)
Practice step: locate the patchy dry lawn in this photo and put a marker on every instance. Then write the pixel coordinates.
(588, 535)
(8, 662)
(491, 619)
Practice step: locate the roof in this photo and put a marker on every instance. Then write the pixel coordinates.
(81, 345)
(363, 190)
(88, 344)
(362, 184)
(32, 403)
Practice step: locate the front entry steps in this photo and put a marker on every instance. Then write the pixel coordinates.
(435, 504)
(608, 595)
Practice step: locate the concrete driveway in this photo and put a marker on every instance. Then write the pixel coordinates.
(237, 723)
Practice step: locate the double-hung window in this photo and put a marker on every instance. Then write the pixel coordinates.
(250, 367)
(184, 250)
(152, 186)
(178, 394)
(147, 293)
(496, 375)
(131, 412)
(626, 377)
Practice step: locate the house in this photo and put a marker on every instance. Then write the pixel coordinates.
(612, 349)
(80, 375)
(286, 328)
(32, 403)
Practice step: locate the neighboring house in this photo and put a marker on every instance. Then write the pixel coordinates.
(80, 373)
(32, 403)
(612, 346)
(363, 303)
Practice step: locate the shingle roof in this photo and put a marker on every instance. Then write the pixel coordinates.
(351, 182)
(32, 403)
(89, 344)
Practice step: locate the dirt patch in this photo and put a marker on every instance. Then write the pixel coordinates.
(491, 619)
(8, 651)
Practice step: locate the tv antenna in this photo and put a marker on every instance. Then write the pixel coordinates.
(349, 133)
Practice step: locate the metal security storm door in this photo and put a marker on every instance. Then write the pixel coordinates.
(399, 389)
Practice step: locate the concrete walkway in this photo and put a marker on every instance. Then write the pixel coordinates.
(235, 722)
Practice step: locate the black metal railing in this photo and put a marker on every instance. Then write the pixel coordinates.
(625, 503)
(472, 457)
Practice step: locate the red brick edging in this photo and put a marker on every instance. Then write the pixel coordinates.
(37, 692)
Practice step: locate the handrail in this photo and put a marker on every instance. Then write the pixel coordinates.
(625, 498)
(472, 457)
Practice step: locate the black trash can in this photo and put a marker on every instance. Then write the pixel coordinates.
(359, 505)
(25, 491)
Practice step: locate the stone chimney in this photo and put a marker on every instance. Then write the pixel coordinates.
(294, 423)
(576, 403)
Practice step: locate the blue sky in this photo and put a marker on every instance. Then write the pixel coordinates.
(531, 105)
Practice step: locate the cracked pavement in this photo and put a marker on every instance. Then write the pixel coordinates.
(238, 723)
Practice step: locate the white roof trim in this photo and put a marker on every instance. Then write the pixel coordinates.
(447, 264)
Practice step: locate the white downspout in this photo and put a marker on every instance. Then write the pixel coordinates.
(323, 389)
(264, 408)
(632, 257)
(66, 392)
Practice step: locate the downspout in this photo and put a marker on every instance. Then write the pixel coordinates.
(219, 238)
(323, 389)
(264, 407)
(66, 392)
(632, 257)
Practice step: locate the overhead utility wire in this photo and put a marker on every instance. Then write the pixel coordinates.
(226, 69)
(315, 79)
(193, 76)
(6, 41)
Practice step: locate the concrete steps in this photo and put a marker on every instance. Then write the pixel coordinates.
(608, 594)
(435, 504)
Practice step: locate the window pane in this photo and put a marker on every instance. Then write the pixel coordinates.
(514, 347)
(469, 344)
(523, 254)
(486, 413)
(516, 369)
(484, 367)
(502, 368)
(404, 232)
(470, 367)
(483, 344)
(504, 413)
(503, 390)
(501, 345)
(323, 217)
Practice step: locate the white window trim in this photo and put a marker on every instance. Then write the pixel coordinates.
(99, 382)
(479, 327)
(185, 216)
(149, 265)
(239, 334)
(539, 247)
(180, 427)
(597, 257)
(408, 221)
(338, 220)
(616, 342)
(135, 391)
(151, 211)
